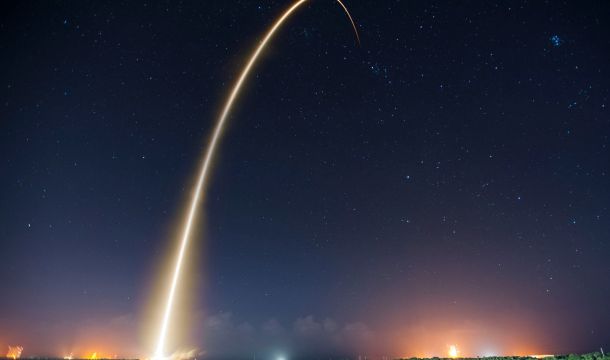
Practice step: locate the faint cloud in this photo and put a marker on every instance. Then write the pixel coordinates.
(307, 326)
(273, 328)
(222, 331)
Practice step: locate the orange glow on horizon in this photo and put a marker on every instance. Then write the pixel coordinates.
(14, 352)
(89, 355)
(99, 356)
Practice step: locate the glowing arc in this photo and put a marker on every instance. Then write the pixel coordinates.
(203, 174)
(209, 155)
(349, 16)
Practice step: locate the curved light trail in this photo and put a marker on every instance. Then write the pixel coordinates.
(350, 19)
(209, 155)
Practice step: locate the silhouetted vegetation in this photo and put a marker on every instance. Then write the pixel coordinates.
(589, 356)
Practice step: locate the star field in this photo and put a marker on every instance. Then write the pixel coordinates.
(449, 176)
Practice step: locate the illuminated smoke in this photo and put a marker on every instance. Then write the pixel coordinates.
(209, 155)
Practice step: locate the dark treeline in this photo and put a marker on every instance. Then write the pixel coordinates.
(589, 356)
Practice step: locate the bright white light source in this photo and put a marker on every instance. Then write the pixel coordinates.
(453, 351)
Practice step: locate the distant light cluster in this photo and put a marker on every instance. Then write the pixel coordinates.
(556, 40)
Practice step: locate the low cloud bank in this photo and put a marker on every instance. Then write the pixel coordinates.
(224, 335)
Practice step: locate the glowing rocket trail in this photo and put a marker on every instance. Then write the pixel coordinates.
(350, 19)
(209, 155)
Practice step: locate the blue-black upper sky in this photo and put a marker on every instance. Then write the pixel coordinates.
(447, 182)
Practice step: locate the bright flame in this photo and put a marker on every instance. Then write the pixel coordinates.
(209, 155)
(68, 357)
(541, 356)
(453, 351)
(14, 352)
(93, 356)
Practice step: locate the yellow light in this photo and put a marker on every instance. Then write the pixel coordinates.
(204, 171)
(453, 351)
(209, 155)
(14, 352)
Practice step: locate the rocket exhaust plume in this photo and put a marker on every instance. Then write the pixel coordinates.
(209, 155)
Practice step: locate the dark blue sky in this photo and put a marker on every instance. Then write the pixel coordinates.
(445, 182)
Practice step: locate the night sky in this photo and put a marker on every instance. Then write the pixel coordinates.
(447, 182)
